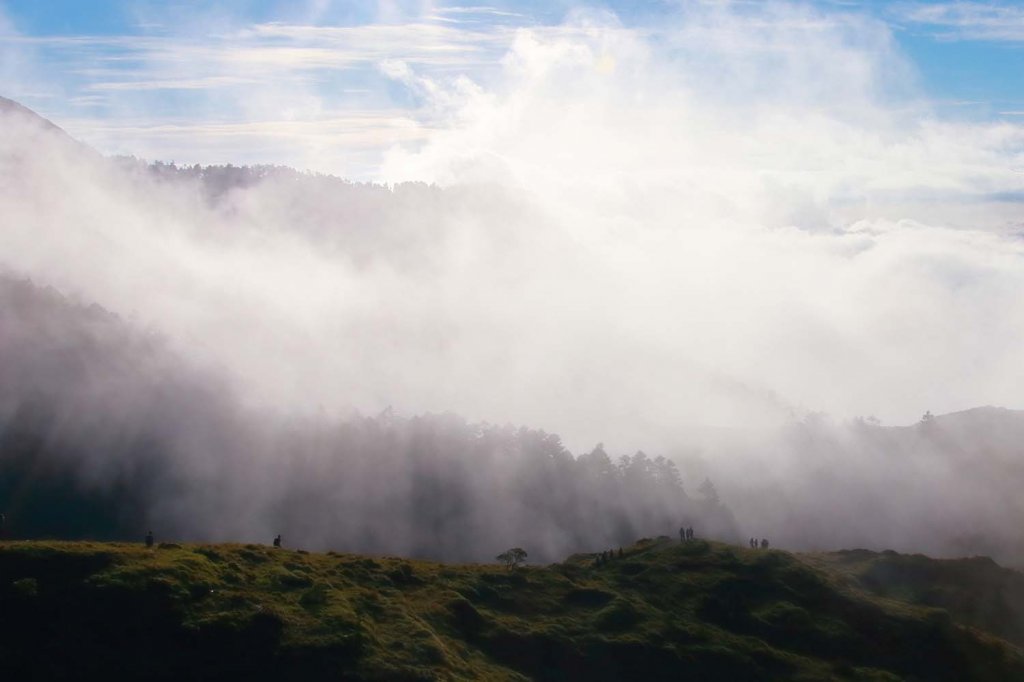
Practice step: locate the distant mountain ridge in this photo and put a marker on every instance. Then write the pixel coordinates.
(979, 415)
(11, 108)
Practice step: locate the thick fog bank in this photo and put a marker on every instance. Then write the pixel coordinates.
(946, 486)
(106, 433)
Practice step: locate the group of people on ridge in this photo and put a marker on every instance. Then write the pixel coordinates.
(606, 556)
(149, 537)
(686, 533)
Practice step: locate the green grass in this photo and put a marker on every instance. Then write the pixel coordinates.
(972, 591)
(664, 610)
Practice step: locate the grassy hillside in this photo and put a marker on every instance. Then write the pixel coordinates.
(664, 610)
(976, 591)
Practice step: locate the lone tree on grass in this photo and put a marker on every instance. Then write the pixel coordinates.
(513, 557)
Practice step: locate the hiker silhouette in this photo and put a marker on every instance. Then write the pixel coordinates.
(149, 539)
(277, 540)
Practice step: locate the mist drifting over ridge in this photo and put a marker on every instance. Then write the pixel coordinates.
(634, 237)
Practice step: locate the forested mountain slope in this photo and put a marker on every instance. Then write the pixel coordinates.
(105, 432)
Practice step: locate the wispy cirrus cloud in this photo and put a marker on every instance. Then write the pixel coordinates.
(260, 72)
(990, 21)
(479, 10)
(281, 86)
(283, 45)
(212, 82)
(365, 129)
(348, 143)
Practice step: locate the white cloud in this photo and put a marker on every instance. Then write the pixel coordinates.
(784, 228)
(967, 20)
(348, 142)
(212, 82)
(484, 10)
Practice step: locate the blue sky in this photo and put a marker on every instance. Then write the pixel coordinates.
(245, 80)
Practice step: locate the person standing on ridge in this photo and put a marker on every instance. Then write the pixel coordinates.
(149, 539)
